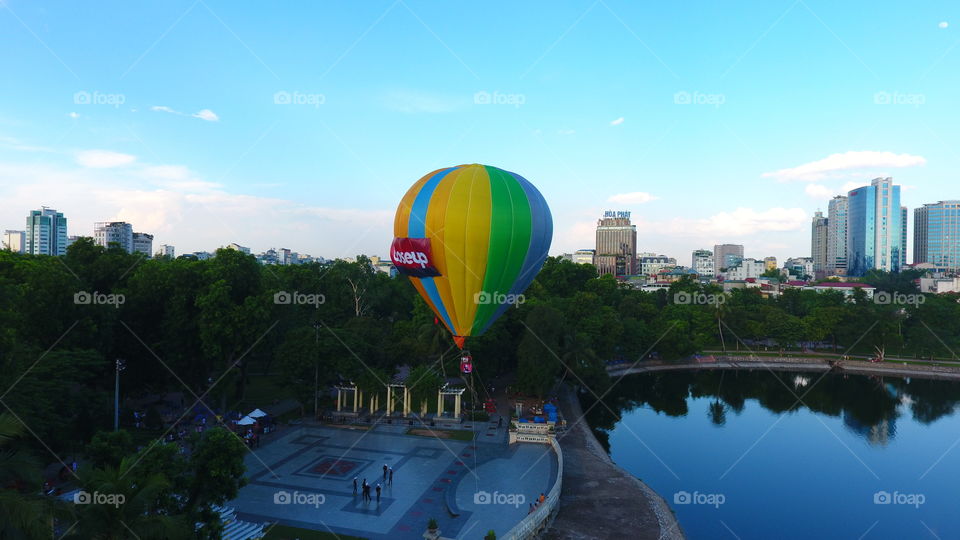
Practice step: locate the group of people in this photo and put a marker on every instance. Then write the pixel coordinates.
(366, 487)
(537, 501)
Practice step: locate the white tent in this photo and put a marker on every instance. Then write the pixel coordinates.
(257, 413)
(246, 421)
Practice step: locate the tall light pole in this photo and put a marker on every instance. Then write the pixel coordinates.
(119, 366)
(316, 367)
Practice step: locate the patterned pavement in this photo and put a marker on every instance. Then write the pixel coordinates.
(305, 479)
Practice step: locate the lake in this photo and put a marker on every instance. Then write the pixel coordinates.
(736, 454)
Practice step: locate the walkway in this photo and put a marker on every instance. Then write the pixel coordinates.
(791, 363)
(599, 499)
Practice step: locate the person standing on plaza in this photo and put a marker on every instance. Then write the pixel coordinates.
(385, 471)
(378, 493)
(354, 485)
(390, 481)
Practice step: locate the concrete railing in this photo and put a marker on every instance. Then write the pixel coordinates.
(539, 520)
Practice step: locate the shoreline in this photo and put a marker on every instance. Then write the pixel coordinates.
(604, 500)
(795, 363)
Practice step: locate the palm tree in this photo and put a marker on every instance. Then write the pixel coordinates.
(123, 505)
(26, 516)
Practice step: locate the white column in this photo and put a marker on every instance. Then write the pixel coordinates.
(406, 401)
(355, 397)
(389, 400)
(338, 400)
(456, 407)
(439, 403)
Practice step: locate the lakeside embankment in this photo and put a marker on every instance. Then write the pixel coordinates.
(599, 500)
(795, 363)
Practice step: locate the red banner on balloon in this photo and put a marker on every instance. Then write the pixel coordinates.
(413, 257)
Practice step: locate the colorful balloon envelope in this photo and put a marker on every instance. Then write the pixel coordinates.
(471, 238)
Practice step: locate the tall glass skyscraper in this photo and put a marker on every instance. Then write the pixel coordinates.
(936, 235)
(874, 228)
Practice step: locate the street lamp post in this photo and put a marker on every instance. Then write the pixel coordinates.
(316, 369)
(119, 366)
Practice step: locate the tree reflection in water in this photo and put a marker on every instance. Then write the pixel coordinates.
(869, 406)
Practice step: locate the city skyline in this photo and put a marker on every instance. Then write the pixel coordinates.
(294, 141)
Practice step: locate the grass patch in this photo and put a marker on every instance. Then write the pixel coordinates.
(455, 434)
(285, 532)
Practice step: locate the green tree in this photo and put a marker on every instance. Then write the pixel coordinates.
(126, 505)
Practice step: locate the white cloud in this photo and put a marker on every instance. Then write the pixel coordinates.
(943, 24)
(818, 191)
(16, 144)
(636, 197)
(566, 131)
(617, 122)
(206, 114)
(180, 208)
(838, 165)
(103, 159)
(203, 114)
(744, 221)
(73, 115)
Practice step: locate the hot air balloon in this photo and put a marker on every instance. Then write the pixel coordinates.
(471, 238)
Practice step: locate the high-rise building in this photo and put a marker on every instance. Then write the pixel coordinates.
(143, 243)
(819, 233)
(15, 241)
(770, 263)
(114, 232)
(837, 236)
(874, 230)
(903, 236)
(166, 250)
(936, 235)
(702, 263)
(726, 255)
(616, 245)
(46, 232)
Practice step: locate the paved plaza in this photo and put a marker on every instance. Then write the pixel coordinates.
(305, 479)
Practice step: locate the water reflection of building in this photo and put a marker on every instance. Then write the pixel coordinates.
(879, 434)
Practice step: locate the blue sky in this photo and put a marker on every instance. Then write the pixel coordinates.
(712, 123)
